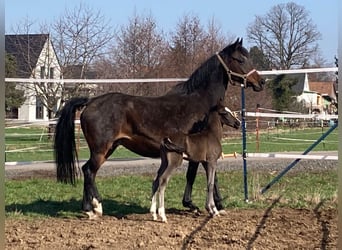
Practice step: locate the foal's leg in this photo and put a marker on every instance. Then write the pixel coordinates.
(190, 179)
(217, 194)
(164, 174)
(210, 204)
(156, 181)
(158, 188)
(91, 203)
(163, 180)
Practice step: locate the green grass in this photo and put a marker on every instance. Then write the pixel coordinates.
(277, 140)
(131, 194)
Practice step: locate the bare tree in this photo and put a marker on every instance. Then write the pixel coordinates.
(139, 48)
(286, 35)
(186, 48)
(80, 36)
(214, 39)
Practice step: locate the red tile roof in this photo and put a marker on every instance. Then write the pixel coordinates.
(323, 88)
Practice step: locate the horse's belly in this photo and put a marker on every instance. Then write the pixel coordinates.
(142, 147)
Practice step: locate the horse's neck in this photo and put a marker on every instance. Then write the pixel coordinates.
(215, 125)
(210, 81)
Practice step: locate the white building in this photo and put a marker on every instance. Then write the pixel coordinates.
(35, 58)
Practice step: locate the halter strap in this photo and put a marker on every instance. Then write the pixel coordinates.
(230, 73)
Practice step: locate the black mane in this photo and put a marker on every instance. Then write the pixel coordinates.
(209, 71)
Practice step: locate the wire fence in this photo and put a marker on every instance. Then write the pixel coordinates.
(27, 142)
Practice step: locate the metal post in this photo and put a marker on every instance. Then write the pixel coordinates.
(257, 129)
(275, 179)
(244, 148)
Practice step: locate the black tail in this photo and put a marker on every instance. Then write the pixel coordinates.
(64, 145)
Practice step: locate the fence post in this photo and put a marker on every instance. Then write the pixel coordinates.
(244, 147)
(275, 179)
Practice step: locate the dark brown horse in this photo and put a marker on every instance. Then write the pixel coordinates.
(204, 147)
(140, 123)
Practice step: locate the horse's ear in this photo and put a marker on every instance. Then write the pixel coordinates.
(238, 43)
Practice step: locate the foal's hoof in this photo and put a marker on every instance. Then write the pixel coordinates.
(215, 214)
(222, 212)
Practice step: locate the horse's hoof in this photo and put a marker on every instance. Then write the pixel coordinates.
(219, 206)
(154, 216)
(97, 207)
(91, 215)
(191, 206)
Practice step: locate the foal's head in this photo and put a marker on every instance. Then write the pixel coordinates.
(228, 117)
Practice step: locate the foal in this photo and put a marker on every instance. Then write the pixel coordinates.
(204, 147)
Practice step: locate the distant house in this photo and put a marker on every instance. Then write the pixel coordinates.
(35, 58)
(318, 97)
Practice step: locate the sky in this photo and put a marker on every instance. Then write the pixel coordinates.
(233, 16)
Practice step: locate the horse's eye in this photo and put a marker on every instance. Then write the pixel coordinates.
(240, 61)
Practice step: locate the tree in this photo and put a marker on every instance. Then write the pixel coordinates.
(282, 93)
(285, 35)
(259, 60)
(186, 48)
(14, 97)
(139, 48)
(214, 39)
(80, 36)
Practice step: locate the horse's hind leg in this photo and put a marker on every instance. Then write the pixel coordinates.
(91, 203)
(190, 179)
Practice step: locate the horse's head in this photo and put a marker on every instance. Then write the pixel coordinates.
(228, 117)
(235, 59)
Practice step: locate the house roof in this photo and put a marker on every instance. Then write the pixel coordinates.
(26, 50)
(323, 88)
(299, 86)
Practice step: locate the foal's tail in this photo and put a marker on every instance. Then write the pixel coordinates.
(64, 144)
(168, 145)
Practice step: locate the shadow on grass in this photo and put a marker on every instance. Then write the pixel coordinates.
(72, 209)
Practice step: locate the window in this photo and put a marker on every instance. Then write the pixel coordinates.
(12, 113)
(39, 108)
(42, 72)
(52, 71)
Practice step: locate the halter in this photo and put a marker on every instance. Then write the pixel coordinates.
(230, 73)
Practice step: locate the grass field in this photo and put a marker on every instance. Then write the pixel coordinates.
(33, 144)
(131, 194)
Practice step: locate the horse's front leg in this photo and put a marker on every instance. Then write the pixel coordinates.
(210, 204)
(190, 179)
(91, 203)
